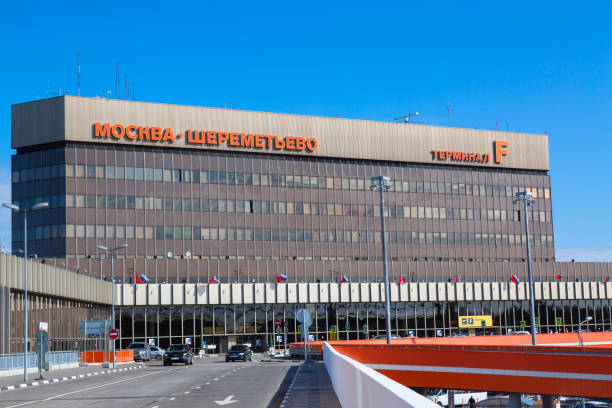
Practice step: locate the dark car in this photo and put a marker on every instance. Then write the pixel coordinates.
(239, 352)
(178, 353)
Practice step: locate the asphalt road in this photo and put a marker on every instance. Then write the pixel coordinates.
(209, 382)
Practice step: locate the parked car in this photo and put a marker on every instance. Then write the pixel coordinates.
(142, 351)
(178, 353)
(157, 353)
(239, 352)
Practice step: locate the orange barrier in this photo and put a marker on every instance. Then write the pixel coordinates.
(590, 339)
(93, 357)
(554, 370)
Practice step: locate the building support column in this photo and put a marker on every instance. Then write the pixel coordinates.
(451, 398)
(515, 400)
(547, 401)
(5, 320)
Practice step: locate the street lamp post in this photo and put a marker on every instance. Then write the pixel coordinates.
(588, 319)
(526, 197)
(25, 211)
(383, 183)
(112, 256)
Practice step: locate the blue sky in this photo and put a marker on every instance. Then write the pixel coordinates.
(526, 66)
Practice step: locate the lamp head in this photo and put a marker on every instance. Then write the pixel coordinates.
(121, 247)
(11, 206)
(39, 206)
(102, 247)
(589, 318)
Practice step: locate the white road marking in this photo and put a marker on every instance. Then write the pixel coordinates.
(207, 383)
(84, 389)
(171, 399)
(186, 392)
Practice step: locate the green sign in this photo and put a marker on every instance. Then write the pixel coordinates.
(365, 329)
(522, 324)
(558, 321)
(537, 321)
(334, 329)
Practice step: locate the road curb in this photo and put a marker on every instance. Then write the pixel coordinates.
(72, 377)
(283, 403)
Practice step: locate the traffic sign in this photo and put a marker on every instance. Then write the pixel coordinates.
(522, 324)
(365, 329)
(113, 334)
(277, 323)
(558, 321)
(303, 316)
(94, 326)
(334, 329)
(537, 321)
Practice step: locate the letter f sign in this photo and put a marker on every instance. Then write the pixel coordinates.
(501, 149)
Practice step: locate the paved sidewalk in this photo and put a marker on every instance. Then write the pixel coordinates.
(16, 381)
(311, 388)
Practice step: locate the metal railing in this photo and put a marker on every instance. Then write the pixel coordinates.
(15, 360)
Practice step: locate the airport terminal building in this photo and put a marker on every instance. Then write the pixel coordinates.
(202, 195)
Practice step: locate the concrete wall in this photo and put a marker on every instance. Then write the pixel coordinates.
(357, 385)
(5, 319)
(72, 118)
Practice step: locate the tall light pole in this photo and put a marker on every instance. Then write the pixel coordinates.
(588, 319)
(25, 212)
(112, 256)
(526, 197)
(383, 183)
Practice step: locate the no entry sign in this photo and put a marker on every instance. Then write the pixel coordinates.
(113, 334)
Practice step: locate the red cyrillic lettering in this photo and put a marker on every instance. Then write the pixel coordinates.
(118, 131)
(101, 130)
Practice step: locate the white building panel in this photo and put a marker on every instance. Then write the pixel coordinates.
(561, 288)
(486, 290)
(469, 291)
(281, 292)
(225, 293)
(586, 290)
(141, 295)
(202, 293)
(601, 290)
(394, 289)
(423, 292)
(546, 291)
(128, 294)
(460, 291)
(523, 290)
(451, 292)
(214, 297)
(609, 290)
(512, 291)
(236, 293)
(313, 293)
(270, 293)
(247, 293)
(355, 292)
(578, 290)
(292, 295)
(178, 290)
(334, 295)
(260, 293)
(302, 293)
(495, 291)
(324, 292)
(190, 294)
(441, 288)
(345, 293)
(537, 288)
(404, 293)
(153, 294)
(381, 290)
(503, 291)
(165, 293)
(477, 290)
(374, 292)
(432, 291)
(364, 289)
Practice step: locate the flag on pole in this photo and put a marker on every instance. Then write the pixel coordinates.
(402, 280)
(515, 279)
(607, 279)
(213, 280)
(281, 278)
(457, 279)
(559, 277)
(344, 279)
(142, 279)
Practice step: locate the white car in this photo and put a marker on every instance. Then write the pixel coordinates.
(157, 353)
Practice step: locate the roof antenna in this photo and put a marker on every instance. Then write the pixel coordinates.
(79, 72)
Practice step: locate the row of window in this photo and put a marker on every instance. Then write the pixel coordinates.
(260, 179)
(274, 234)
(278, 207)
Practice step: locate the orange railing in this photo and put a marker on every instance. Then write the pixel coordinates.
(93, 357)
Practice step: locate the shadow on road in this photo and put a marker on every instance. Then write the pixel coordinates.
(278, 395)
